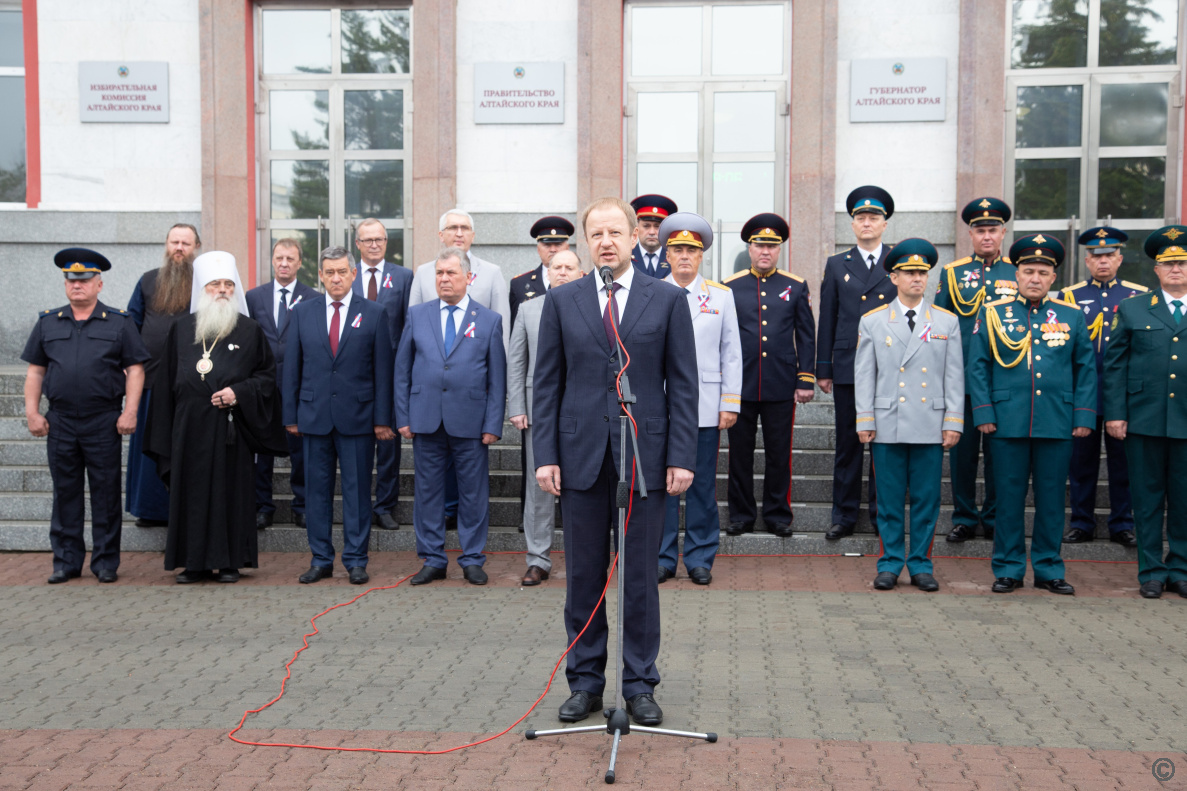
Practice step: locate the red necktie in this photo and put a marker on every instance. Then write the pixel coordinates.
(372, 287)
(611, 304)
(335, 323)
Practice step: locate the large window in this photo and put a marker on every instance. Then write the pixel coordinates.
(12, 100)
(1092, 85)
(333, 126)
(707, 110)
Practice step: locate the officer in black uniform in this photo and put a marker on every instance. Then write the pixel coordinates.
(778, 353)
(88, 360)
(650, 256)
(551, 235)
(855, 282)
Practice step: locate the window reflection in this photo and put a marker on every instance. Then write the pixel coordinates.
(666, 42)
(1133, 114)
(744, 122)
(742, 189)
(1132, 187)
(747, 39)
(1138, 32)
(374, 188)
(298, 120)
(668, 123)
(677, 180)
(1135, 267)
(300, 189)
(1049, 34)
(12, 140)
(1049, 116)
(296, 42)
(12, 41)
(375, 42)
(1046, 188)
(374, 120)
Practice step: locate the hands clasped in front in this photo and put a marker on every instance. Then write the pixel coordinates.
(549, 478)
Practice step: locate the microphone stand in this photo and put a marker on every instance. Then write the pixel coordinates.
(618, 722)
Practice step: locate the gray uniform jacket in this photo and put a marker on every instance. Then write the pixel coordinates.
(719, 348)
(521, 361)
(487, 288)
(909, 386)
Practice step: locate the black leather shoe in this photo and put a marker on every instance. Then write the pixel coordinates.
(533, 576)
(58, 577)
(700, 575)
(299, 519)
(1077, 535)
(987, 531)
(315, 573)
(885, 581)
(107, 575)
(451, 523)
(189, 577)
(1056, 586)
(578, 706)
(427, 575)
(1006, 584)
(474, 575)
(228, 575)
(358, 575)
(664, 574)
(386, 522)
(644, 710)
(1179, 587)
(263, 519)
(1125, 538)
(838, 531)
(783, 531)
(738, 528)
(1151, 590)
(151, 523)
(960, 533)
(925, 582)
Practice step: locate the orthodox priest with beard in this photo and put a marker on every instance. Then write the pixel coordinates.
(214, 407)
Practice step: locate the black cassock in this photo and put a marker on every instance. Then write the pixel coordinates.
(204, 454)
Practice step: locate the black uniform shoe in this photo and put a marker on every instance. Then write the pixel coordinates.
(578, 706)
(427, 575)
(1057, 586)
(1151, 590)
(783, 531)
(386, 522)
(644, 710)
(1125, 538)
(58, 577)
(738, 528)
(189, 577)
(315, 573)
(151, 523)
(1179, 587)
(107, 575)
(299, 519)
(987, 531)
(1006, 584)
(359, 576)
(838, 531)
(925, 582)
(474, 574)
(700, 575)
(961, 533)
(885, 581)
(263, 519)
(664, 574)
(1077, 535)
(228, 575)
(451, 522)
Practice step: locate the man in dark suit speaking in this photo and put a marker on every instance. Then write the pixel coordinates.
(576, 443)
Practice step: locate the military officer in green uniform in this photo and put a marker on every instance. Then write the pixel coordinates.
(1032, 376)
(965, 285)
(1144, 405)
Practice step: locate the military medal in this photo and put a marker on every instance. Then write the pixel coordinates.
(1055, 332)
(888, 341)
(971, 279)
(1005, 287)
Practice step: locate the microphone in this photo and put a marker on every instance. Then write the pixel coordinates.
(607, 275)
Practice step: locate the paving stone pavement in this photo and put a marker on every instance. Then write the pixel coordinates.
(812, 680)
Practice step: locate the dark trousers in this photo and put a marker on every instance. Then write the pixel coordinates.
(962, 468)
(917, 468)
(777, 419)
(88, 447)
(847, 463)
(1155, 470)
(1083, 476)
(387, 475)
(264, 467)
(432, 452)
(702, 526)
(588, 515)
(323, 454)
(148, 498)
(1017, 462)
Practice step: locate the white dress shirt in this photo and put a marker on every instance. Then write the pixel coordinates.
(461, 306)
(624, 290)
(341, 315)
(865, 256)
(276, 298)
(902, 309)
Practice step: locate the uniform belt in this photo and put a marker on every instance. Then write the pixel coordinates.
(113, 406)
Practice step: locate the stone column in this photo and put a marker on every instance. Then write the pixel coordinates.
(981, 135)
(434, 124)
(599, 104)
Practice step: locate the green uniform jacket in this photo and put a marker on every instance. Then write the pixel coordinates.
(966, 284)
(1145, 368)
(1052, 389)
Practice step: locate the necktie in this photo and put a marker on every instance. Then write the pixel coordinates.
(373, 285)
(870, 259)
(282, 320)
(450, 329)
(335, 325)
(611, 305)
(1177, 310)
(911, 320)
(651, 264)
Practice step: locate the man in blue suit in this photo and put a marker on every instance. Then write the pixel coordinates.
(451, 387)
(271, 305)
(389, 285)
(338, 397)
(576, 435)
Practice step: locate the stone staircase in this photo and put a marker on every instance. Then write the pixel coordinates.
(26, 497)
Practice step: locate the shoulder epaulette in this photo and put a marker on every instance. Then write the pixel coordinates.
(44, 312)
(797, 278)
(942, 310)
(715, 284)
(1069, 303)
(1081, 284)
(1001, 301)
(737, 275)
(1006, 259)
(1134, 286)
(960, 262)
(875, 310)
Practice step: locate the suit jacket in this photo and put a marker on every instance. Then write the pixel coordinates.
(259, 307)
(909, 386)
(575, 404)
(848, 291)
(487, 288)
(529, 285)
(463, 391)
(521, 361)
(350, 392)
(1144, 364)
(394, 288)
(662, 269)
(719, 348)
(777, 332)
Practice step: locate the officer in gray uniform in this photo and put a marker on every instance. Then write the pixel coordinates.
(909, 392)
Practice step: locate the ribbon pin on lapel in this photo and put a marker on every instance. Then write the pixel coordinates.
(293, 304)
(785, 295)
(925, 333)
(358, 321)
(387, 280)
(469, 333)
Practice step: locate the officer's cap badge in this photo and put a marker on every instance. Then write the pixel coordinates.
(1173, 234)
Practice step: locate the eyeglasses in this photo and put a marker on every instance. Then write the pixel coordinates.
(1173, 264)
(372, 242)
(458, 229)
